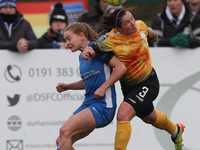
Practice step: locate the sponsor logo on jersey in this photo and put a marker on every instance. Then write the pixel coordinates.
(102, 38)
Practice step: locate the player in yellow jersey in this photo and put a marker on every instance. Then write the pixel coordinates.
(140, 86)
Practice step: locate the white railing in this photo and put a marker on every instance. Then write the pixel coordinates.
(32, 112)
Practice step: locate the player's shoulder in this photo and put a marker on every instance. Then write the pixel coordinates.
(140, 22)
(113, 32)
(109, 36)
(141, 25)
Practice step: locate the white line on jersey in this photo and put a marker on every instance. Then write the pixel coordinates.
(132, 100)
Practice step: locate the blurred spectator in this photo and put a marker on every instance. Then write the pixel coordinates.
(194, 5)
(177, 26)
(16, 33)
(53, 38)
(94, 16)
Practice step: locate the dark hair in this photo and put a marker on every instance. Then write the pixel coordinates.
(184, 1)
(79, 27)
(114, 19)
(97, 1)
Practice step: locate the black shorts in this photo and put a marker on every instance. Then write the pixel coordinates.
(141, 96)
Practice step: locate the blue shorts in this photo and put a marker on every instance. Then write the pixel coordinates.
(102, 115)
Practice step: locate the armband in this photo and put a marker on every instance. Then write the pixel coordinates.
(108, 57)
(96, 47)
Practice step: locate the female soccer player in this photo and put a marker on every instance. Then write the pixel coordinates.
(140, 86)
(99, 105)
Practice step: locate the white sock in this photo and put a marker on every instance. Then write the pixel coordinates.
(175, 133)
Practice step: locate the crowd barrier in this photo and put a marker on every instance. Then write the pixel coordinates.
(32, 111)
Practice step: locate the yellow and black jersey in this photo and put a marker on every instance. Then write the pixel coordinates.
(132, 50)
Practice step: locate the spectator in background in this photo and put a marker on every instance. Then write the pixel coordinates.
(94, 16)
(16, 33)
(194, 5)
(53, 38)
(177, 26)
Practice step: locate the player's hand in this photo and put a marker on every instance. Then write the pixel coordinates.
(88, 53)
(99, 93)
(61, 87)
(153, 36)
(153, 39)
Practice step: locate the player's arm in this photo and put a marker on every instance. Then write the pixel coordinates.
(90, 52)
(103, 44)
(79, 85)
(152, 35)
(118, 72)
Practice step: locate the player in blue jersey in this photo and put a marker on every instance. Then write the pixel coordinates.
(98, 78)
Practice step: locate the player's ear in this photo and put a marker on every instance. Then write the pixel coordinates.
(118, 29)
(82, 36)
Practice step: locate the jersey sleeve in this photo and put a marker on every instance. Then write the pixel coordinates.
(142, 26)
(103, 44)
(106, 57)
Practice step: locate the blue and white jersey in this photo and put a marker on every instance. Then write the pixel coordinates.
(94, 73)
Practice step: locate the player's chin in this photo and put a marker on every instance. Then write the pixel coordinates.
(73, 49)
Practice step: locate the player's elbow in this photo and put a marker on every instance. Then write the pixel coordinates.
(123, 69)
